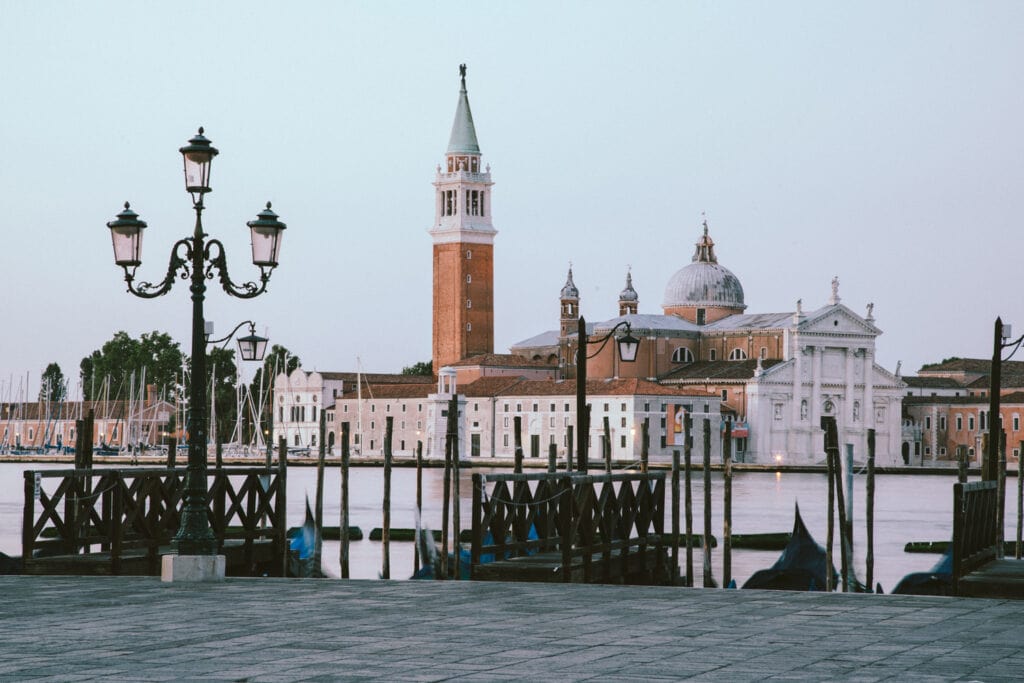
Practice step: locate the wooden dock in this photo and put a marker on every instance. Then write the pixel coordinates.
(120, 521)
(573, 528)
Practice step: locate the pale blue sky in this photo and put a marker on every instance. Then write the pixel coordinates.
(880, 142)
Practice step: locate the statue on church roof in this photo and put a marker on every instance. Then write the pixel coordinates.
(835, 291)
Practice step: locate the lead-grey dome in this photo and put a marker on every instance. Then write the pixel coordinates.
(704, 282)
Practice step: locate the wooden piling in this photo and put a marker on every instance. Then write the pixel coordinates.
(675, 516)
(606, 440)
(552, 458)
(282, 499)
(419, 503)
(344, 522)
(456, 507)
(961, 464)
(386, 534)
(832, 451)
(318, 513)
(688, 503)
(568, 448)
(517, 433)
(709, 580)
(727, 506)
(451, 428)
(830, 579)
(1001, 493)
(1020, 499)
(219, 451)
(869, 514)
(645, 444)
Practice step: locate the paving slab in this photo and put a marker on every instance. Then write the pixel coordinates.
(137, 628)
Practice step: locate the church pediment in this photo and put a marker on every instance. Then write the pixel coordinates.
(838, 320)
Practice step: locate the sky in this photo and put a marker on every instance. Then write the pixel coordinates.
(880, 142)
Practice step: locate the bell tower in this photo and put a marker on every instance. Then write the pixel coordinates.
(463, 239)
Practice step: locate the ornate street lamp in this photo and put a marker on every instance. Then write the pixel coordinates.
(251, 347)
(195, 259)
(628, 346)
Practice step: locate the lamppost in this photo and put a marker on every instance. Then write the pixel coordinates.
(195, 259)
(628, 347)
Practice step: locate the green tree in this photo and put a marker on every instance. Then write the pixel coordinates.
(122, 355)
(220, 365)
(424, 368)
(52, 384)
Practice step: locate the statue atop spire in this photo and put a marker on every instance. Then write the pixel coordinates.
(705, 252)
(463, 137)
(462, 73)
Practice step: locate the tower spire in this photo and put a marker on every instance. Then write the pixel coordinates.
(463, 137)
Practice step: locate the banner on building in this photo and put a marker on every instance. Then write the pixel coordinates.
(740, 430)
(674, 416)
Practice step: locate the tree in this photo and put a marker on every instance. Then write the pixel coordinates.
(220, 364)
(52, 385)
(122, 355)
(423, 368)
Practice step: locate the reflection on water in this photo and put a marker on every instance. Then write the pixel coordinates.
(907, 508)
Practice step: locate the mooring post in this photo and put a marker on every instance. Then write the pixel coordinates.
(870, 512)
(386, 532)
(961, 464)
(344, 521)
(848, 475)
(282, 500)
(688, 503)
(552, 458)
(319, 512)
(219, 450)
(1020, 498)
(675, 517)
(727, 506)
(830, 579)
(456, 505)
(607, 444)
(451, 428)
(517, 433)
(1001, 493)
(645, 444)
(419, 504)
(709, 579)
(568, 449)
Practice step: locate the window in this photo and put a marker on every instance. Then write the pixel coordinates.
(506, 407)
(622, 441)
(959, 423)
(738, 354)
(387, 407)
(469, 327)
(623, 422)
(942, 422)
(606, 407)
(552, 407)
(682, 355)
(942, 451)
(712, 355)
(313, 418)
(371, 444)
(662, 423)
(566, 407)
(981, 419)
(373, 408)
(623, 407)
(764, 352)
(402, 444)
(373, 425)
(928, 422)
(505, 425)
(970, 422)
(403, 407)
(725, 394)
(505, 440)
(469, 278)
(1016, 423)
(476, 406)
(663, 444)
(701, 317)
(927, 450)
(469, 303)
(469, 254)
(647, 407)
(535, 406)
(707, 408)
(551, 423)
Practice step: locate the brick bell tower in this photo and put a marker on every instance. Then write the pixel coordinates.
(463, 239)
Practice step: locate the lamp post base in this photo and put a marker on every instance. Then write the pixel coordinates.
(192, 568)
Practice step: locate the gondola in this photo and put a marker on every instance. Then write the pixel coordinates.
(800, 567)
(302, 542)
(937, 581)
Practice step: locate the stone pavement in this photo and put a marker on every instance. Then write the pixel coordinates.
(138, 629)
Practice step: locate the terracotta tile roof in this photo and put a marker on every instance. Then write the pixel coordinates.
(389, 391)
(933, 382)
(717, 370)
(981, 365)
(518, 387)
(501, 360)
(377, 378)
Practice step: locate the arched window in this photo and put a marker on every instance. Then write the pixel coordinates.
(682, 355)
(738, 354)
(712, 354)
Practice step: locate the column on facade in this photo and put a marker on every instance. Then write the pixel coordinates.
(869, 393)
(809, 446)
(796, 425)
(850, 431)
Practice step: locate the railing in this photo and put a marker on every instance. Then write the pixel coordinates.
(976, 535)
(116, 510)
(604, 516)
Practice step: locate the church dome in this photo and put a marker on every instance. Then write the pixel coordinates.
(704, 282)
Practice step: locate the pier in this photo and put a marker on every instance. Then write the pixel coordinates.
(135, 628)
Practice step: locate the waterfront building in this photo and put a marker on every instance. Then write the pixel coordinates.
(36, 426)
(776, 374)
(946, 407)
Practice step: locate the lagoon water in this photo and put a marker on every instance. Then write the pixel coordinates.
(907, 508)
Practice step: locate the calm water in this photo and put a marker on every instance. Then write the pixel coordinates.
(907, 508)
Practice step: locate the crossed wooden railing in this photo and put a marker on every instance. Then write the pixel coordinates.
(120, 511)
(976, 536)
(596, 519)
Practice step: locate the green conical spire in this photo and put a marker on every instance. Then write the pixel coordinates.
(463, 139)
